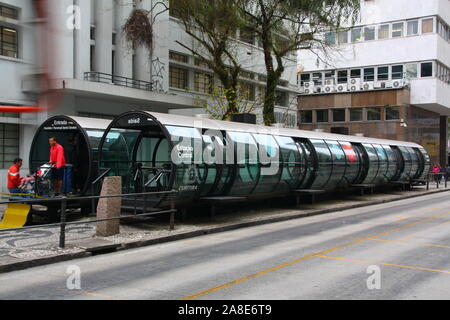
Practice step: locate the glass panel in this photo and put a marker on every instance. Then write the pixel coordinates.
(369, 74)
(383, 73)
(383, 31)
(343, 76)
(373, 114)
(392, 113)
(246, 156)
(317, 78)
(306, 116)
(427, 25)
(412, 27)
(186, 155)
(397, 72)
(322, 115)
(294, 164)
(414, 163)
(343, 37)
(325, 164)
(339, 164)
(406, 174)
(356, 114)
(356, 34)
(397, 29)
(269, 161)
(383, 160)
(330, 38)
(373, 164)
(392, 162)
(369, 33)
(353, 163)
(338, 115)
(426, 69)
(411, 70)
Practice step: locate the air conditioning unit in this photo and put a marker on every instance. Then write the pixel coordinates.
(400, 83)
(368, 86)
(308, 84)
(388, 84)
(329, 82)
(308, 88)
(328, 88)
(343, 87)
(318, 89)
(354, 84)
(379, 85)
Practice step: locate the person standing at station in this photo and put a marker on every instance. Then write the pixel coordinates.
(58, 164)
(14, 178)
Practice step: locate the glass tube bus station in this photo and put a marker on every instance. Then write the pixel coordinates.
(209, 158)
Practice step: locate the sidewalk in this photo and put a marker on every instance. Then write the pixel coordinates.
(28, 248)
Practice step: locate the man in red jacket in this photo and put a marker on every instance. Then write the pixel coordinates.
(59, 163)
(14, 179)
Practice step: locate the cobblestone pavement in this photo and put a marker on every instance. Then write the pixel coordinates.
(43, 242)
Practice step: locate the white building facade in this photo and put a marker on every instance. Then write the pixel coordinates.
(401, 46)
(95, 72)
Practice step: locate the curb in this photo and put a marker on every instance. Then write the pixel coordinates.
(21, 265)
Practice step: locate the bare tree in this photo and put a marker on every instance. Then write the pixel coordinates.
(212, 26)
(285, 26)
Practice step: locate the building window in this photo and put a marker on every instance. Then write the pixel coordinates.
(178, 78)
(202, 82)
(374, 114)
(8, 42)
(392, 113)
(247, 91)
(178, 57)
(8, 12)
(343, 76)
(281, 98)
(330, 38)
(411, 70)
(317, 78)
(355, 73)
(397, 72)
(369, 33)
(426, 69)
(9, 144)
(383, 73)
(92, 33)
(397, 29)
(356, 34)
(343, 37)
(356, 114)
(247, 36)
(306, 77)
(306, 116)
(427, 25)
(383, 31)
(369, 74)
(412, 28)
(338, 115)
(322, 115)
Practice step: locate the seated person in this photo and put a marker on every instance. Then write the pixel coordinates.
(15, 181)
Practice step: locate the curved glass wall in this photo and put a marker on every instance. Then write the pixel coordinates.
(310, 161)
(406, 173)
(293, 164)
(269, 162)
(374, 164)
(426, 167)
(339, 164)
(352, 163)
(384, 164)
(392, 163)
(324, 164)
(80, 138)
(415, 162)
(246, 160)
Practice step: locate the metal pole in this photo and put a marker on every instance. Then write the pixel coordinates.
(172, 214)
(428, 182)
(93, 201)
(62, 233)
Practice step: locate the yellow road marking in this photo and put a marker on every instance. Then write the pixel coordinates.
(413, 235)
(406, 242)
(400, 219)
(99, 295)
(385, 264)
(307, 257)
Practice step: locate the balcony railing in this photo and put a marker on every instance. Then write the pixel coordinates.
(118, 81)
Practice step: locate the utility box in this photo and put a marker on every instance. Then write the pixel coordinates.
(244, 118)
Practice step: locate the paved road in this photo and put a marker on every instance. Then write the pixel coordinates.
(321, 257)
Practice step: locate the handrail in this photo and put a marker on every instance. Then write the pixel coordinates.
(100, 177)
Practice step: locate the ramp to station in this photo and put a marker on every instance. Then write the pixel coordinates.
(15, 216)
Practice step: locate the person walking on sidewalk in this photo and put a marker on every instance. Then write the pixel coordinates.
(58, 165)
(437, 172)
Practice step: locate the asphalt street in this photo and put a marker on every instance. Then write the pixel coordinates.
(398, 250)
